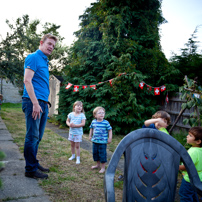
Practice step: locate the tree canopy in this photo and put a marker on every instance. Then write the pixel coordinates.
(117, 37)
(23, 39)
(189, 61)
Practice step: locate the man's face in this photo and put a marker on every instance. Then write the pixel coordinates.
(47, 46)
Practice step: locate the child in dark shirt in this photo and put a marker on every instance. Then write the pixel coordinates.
(160, 121)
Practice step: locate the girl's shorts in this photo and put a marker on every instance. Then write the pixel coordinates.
(75, 138)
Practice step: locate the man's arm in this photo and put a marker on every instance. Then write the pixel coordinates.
(30, 90)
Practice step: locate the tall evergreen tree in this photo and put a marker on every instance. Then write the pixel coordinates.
(116, 37)
(189, 61)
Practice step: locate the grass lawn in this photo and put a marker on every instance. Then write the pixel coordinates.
(67, 181)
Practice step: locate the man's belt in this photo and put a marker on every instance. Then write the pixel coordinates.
(38, 100)
(45, 102)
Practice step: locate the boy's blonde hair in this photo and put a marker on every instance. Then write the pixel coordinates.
(197, 133)
(78, 103)
(163, 115)
(97, 109)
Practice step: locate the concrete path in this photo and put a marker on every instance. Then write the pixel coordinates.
(16, 187)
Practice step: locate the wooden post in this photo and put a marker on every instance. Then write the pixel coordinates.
(177, 119)
(198, 116)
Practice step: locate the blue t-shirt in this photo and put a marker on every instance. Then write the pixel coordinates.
(38, 62)
(150, 126)
(76, 120)
(100, 131)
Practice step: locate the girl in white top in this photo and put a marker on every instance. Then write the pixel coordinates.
(76, 120)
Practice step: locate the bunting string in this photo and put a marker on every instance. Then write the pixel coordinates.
(157, 90)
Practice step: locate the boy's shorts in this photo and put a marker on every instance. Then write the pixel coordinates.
(100, 152)
(75, 138)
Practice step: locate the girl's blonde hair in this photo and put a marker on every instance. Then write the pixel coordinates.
(97, 109)
(163, 115)
(78, 103)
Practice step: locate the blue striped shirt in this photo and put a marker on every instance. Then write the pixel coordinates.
(100, 131)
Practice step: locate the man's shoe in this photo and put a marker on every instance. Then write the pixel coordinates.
(36, 175)
(43, 169)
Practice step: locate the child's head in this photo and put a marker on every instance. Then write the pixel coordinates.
(78, 103)
(163, 115)
(98, 110)
(197, 133)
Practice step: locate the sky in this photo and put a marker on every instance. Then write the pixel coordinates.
(183, 16)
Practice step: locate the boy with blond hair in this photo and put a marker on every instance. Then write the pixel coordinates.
(101, 135)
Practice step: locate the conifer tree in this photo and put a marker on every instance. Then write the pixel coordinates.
(117, 37)
(189, 61)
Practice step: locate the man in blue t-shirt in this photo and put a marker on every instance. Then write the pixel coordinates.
(35, 103)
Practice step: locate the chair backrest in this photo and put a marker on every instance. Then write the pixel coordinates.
(151, 167)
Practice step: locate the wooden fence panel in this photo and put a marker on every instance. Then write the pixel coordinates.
(173, 107)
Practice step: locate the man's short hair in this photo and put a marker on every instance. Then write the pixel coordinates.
(49, 36)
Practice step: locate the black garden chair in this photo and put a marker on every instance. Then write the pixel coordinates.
(151, 167)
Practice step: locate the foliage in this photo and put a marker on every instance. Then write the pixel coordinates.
(189, 62)
(192, 93)
(116, 37)
(22, 40)
(181, 137)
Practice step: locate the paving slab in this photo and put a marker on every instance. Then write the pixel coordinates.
(11, 150)
(5, 135)
(16, 187)
(26, 187)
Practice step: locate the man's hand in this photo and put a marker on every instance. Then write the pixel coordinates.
(36, 111)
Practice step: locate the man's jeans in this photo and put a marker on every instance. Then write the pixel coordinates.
(34, 133)
(187, 192)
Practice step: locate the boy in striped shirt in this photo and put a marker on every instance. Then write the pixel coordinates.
(101, 135)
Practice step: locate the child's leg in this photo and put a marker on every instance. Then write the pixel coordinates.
(97, 166)
(73, 147)
(103, 156)
(72, 150)
(102, 168)
(77, 145)
(187, 193)
(96, 156)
